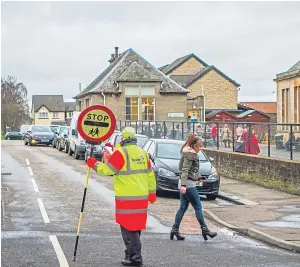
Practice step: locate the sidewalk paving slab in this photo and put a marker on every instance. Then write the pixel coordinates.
(275, 219)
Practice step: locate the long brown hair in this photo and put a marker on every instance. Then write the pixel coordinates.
(191, 141)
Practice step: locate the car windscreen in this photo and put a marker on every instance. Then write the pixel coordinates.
(172, 151)
(61, 129)
(141, 140)
(54, 128)
(39, 129)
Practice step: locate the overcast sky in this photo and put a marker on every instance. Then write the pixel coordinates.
(52, 46)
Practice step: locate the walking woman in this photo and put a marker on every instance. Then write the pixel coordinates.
(190, 176)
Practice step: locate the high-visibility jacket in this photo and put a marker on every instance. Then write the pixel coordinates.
(134, 185)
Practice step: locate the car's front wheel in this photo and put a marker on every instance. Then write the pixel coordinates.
(8, 138)
(76, 155)
(53, 145)
(70, 153)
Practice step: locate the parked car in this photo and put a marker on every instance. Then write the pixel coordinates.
(63, 142)
(54, 128)
(165, 155)
(97, 151)
(113, 143)
(38, 134)
(76, 142)
(58, 132)
(13, 136)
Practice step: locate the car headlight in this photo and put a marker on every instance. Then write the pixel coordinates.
(213, 176)
(166, 173)
(35, 137)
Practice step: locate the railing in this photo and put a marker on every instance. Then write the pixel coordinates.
(267, 139)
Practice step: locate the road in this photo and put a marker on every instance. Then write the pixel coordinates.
(41, 201)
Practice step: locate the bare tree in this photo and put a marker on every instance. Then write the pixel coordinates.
(14, 106)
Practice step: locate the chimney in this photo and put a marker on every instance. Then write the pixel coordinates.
(116, 52)
(80, 87)
(112, 58)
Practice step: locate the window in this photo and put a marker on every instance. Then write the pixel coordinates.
(79, 105)
(132, 108)
(140, 103)
(148, 104)
(87, 102)
(70, 115)
(55, 115)
(43, 115)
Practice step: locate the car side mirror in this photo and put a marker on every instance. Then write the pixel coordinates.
(211, 159)
(65, 135)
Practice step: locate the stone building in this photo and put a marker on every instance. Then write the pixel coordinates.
(135, 90)
(209, 88)
(288, 99)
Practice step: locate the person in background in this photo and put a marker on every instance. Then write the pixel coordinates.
(250, 143)
(239, 131)
(226, 136)
(214, 132)
(189, 177)
(189, 124)
(135, 186)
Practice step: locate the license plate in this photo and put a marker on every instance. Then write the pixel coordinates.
(45, 141)
(199, 183)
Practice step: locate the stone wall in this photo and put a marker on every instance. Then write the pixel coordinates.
(282, 175)
(189, 67)
(218, 91)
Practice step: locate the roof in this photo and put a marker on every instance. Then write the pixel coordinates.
(249, 112)
(51, 102)
(295, 67)
(266, 107)
(136, 73)
(294, 71)
(179, 61)
(70, 106)
(214, 113)
(128, 67)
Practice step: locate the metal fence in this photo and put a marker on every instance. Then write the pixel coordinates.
(266, 139)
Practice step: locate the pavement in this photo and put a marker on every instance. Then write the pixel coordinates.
(274, 152)
(41, 200)
(271, 214)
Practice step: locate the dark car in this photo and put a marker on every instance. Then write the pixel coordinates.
(97, 151)
(38, 135)
(14, 136)
(58, 132)
(166, 155)
(63, 143)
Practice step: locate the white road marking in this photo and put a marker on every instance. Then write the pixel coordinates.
(59, 252)
(34, 185)
(30, 171)
(27, 162)
(43, 211)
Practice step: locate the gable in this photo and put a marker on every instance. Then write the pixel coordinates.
(188, 67)
(137, 73)
(51, 102)
(131, 66)
(214, 75)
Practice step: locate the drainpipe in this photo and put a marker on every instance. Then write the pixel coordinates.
(104, 98)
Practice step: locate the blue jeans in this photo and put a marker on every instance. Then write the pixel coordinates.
(191, 196)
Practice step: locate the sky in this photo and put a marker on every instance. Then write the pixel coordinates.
(53, 46)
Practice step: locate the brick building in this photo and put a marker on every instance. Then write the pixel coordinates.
(288, 99)
(268, 108)
(209, 88)
(135, 90)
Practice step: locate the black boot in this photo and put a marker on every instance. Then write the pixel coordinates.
(175, 231)
(131, 263)
(206, 232)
